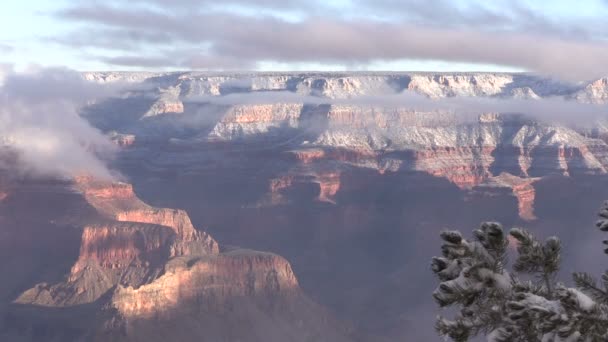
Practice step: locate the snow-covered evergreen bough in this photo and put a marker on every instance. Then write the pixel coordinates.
(499, 305)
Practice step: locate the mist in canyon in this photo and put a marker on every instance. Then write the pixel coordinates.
(41, 127)
(315, 198)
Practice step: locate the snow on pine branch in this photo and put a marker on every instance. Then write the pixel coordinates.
(497, 304)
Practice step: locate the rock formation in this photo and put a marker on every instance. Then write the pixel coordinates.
(506, 184)
(139, 268)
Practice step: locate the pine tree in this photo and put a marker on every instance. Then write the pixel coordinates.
(500, 305)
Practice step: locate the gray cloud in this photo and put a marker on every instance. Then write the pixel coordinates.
(440, 12)
(190, 4)
(555, 109)
(216, 62)
(39, 122)
(140, 61)
(6, 48)
(5, 70)
(112, 39)
(501, 15)
(222, 40)
(180, 59)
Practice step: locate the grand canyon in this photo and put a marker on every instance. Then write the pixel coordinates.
(290, 206)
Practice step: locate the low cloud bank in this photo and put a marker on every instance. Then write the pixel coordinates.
(357, 34)
(552, 109)
(39, 123)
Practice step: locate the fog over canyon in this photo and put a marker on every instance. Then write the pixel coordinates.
(191, 206)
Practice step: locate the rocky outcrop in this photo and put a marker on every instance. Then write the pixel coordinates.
(525, 194)
(248, 121)
(329, 185)
(437, 86)
(506, 184)
(118, 246)
(463, 166)
(118, 202)
(138, 266)
(277, 186)
(106, 191)
(308, 156)
(594, 92)
(110, 77)
(525, 93)
(212, 281)
(189, 241)
(225, 303)
(165, 106)
(122, 140)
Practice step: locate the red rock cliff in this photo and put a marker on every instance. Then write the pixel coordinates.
(213, 281)
(116, 246)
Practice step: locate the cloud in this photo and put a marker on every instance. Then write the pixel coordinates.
(5, 70)
(550, 110)
(510, 15)
(39, 122)
(206, 5)
(6, 48)
(139, 61)
(227, 40)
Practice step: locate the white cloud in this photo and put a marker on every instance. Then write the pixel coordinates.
(39, 121)
(164, 35)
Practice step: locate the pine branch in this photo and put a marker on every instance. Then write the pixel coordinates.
(498, 305)
(588, 284)
(605, 281)
(491, 236)
(536, 258)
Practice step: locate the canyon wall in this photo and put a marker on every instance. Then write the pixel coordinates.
(136, 267)
(351, 175)
(331, 122)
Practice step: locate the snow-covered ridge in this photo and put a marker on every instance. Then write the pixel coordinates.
(375, 126)
(348, 85)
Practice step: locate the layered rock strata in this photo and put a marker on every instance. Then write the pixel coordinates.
(137, 265)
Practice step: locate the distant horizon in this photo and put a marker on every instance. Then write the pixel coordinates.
(345, 73)
(312, 72)
(557, 39)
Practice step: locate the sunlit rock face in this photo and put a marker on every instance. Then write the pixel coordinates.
(216, 280)
(135, 267)
(454, 85)
(594, 92)
(168, 102)
(506, 184)
(243, 121)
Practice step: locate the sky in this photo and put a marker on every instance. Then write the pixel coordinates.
(562, 38)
